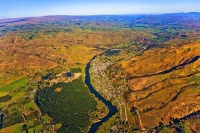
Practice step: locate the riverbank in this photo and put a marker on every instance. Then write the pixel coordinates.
(112, 109)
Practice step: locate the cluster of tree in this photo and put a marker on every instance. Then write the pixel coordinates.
(76, 70)
(12, 119)
(32, 115)
(5, 98)
(69, 107)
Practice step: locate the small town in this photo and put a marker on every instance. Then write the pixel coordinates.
(102, 84)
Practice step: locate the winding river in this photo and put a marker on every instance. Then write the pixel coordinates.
(112, 109)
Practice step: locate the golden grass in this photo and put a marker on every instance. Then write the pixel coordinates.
(170, 95)
(58, 89)
(164, 59)
(8, 129)
(3, 93)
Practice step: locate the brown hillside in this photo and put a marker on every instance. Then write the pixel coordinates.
(164, 83)
(157, 60)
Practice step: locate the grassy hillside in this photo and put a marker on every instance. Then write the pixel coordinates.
(163, 84)
(153, 79)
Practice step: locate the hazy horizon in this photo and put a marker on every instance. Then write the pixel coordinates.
(37, 8)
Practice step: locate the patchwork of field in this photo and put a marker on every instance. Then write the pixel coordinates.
(155, 73)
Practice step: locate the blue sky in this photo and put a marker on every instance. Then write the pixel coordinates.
(28, 8)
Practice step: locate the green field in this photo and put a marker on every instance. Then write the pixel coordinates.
(15, 85)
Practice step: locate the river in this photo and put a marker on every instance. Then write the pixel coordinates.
(112, 109)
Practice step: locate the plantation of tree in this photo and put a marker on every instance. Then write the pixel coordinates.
(71, 106)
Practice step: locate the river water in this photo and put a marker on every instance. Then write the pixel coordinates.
(112, 109)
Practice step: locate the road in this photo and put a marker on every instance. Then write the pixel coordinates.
(123, 114)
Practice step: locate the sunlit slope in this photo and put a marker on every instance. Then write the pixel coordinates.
(163, 82)
(156, 60)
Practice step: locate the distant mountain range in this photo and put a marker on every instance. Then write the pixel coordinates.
(163, 18)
